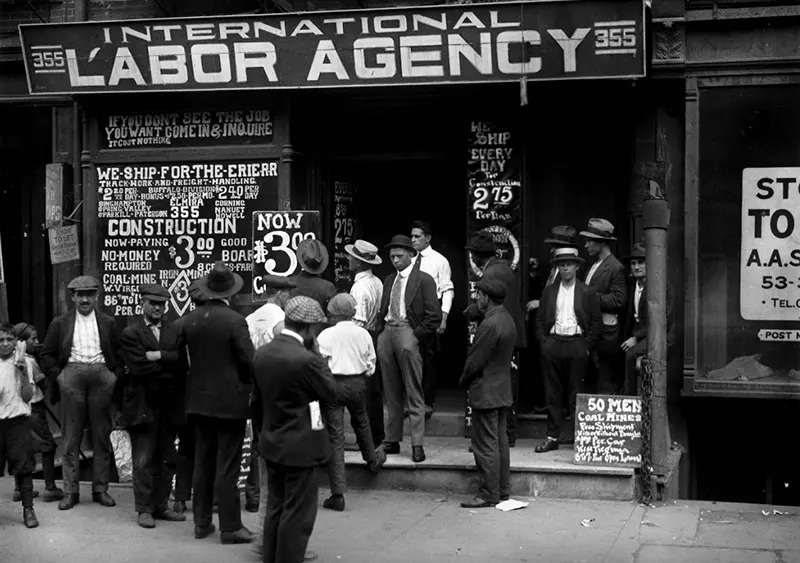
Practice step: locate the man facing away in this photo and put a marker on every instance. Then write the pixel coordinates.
(312, 257)
(80, 353)
(567, 327)
(409, 313)
(487, 376)
(438, 267)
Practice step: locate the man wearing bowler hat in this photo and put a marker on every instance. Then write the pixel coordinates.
(606, 277)
(312, 256)
(409, 313)
(80, 353)
(567, 329)
(218, 392)
(152, 405)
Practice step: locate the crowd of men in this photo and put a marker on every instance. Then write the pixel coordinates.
(295, 364)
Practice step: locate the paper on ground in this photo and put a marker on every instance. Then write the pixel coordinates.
(510, 504)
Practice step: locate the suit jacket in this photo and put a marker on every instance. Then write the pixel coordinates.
(587, 311)
(57, 344)
(423, 311)
(288, 377)
(159, 384)
(315, 287)
(221, 361)
(487, 370)
(500, 270)
(640, 329)
(609, 283)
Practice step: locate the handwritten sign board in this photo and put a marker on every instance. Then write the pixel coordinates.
(169, 223)
(608, 430)
(276, 235)
(344, 225)
(186, 128)
(769, 287)
(53, 193)
(64, 246)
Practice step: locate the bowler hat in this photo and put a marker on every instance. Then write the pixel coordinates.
(302, 309)
(154, 292)
(277, 282)
(492, 287)
(83, 283)
(482, 242)
(220, 282)
(637, 252)
(364, 251)
(312, 256)
(566, 254)
(562, 235)
(401, 241)
(342, 305)
(599, 229)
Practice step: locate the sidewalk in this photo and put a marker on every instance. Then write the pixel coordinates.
(400, 526)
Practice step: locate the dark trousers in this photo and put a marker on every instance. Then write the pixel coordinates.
(632, 379)
(252, 485)
(429, 348)
(153, 464)
(356, 387)
(43, 442)
(291, 512)
(17, 450)
(86, 391)
(564, 362)
(607, 376)
(490, 448)
(374, 399)
(511, 412)
(184, 465)
(217, 462)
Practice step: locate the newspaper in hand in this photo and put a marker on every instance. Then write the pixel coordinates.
(316, 416)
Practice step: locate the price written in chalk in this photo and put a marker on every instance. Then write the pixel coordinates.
(608, 430)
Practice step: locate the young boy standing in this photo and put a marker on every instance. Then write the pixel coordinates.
(16, 391)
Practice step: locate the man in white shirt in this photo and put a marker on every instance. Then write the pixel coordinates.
(438, 267)
(350, 354)
(263, 321)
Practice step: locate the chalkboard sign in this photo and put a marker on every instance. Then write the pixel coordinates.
(608, 430)
(276, 235)
(344, 225)
(168, 224)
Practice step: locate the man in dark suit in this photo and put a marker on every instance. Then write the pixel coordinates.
(409, 314)
(218, 392)
(292, 378)
(152, 406)
(487, 376)
(312, 256)
(79, 352)
(568, 325)
(606, 277)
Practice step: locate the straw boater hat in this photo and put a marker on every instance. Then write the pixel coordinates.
(220, 282)
(637, 252)
(312, 256)
(364, 251)
(562, 235)
(566, 254)
(599, 229)
(401, 241)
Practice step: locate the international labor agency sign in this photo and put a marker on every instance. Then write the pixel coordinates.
(770, 258)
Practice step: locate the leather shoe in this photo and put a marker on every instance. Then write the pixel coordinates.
(201, 532)
(242, 535)
(390, 448)
(377, 462)
(310, 556)
(179, 506)
(169, 515)
(145, 520)
(52, 494)
(477, 502)
(548, 444)
(69, 500)
(29, 517)
(334, 502)
(417, 454)
(103, 498)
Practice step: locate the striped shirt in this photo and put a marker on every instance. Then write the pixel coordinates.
(367, 290)
(86, 340)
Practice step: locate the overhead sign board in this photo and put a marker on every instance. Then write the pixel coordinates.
(497, 42)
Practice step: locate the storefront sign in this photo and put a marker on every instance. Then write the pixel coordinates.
(778, 335)
(608, 430)
(53, 193)
(770, 267)
(276, 235)
(168, 224)
(186, 128)
(64, 246)
(496, 42)
(344, 226)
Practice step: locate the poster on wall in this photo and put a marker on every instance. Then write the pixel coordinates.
(168, 224)
(344, 229)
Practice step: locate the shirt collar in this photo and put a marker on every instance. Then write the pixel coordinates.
(86, 318)
(427, 251)
(407, 271)
(148, 323)
(363, 274)
(293, 334)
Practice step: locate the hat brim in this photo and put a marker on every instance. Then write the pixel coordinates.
(634, 257)
(375, 261)
(560, 259)
(595, 236)
(318, 269)
(561, 242)
(238, 282)
(156, 298)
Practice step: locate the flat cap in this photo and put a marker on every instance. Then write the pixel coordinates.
(154, 292)
(302, 309)
(492, 287)
(342, 305)
(277, 282)
(83, 283)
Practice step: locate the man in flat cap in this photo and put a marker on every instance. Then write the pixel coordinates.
(80, 353)
(312, 256)
(152, 405)
(292, 378)
(409, 313)
(606, 277)
(487, 376)
(218, 394)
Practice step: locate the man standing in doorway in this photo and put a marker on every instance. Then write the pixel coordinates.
(79, 352)
(438, 267)
(606, 277)
(409, 313)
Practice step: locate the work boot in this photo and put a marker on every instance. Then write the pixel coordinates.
(69, 500)
(242, 535)
(169, 515)
(145, 520)
(52, 494)
(103, 498)
(334, 502)
(29, 517)
(377, 462)
(201, 532)
(179, 506)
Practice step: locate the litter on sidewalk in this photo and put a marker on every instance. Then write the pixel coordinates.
(511, 504)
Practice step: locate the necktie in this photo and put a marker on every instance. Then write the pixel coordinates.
(394, 299)
(156, 332)
(418, 263)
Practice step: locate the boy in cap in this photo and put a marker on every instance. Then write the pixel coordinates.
(351, 359)
(16, 391)
(152, 406)
(487, 376)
